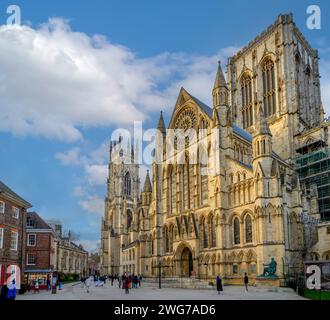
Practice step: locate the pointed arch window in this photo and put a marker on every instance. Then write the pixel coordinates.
(181, 187)
(188, 170)
(246, 90)
(269, 91)
(171, 191)
(248, 229)
(167, 240)
(204, 230)
(237, 237)
(213, 233)
(129, 219)
(203, 176)
(127, 185)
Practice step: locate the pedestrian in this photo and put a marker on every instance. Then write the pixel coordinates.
(48, 283)
(140, 280)
(246, 282)
(87, 284)
(112, 278)
(119, 282)
(219, 284)
(11, 293)
(36, 286)
(123, 278)
(60, 282)
(127, 283)
(3, 294)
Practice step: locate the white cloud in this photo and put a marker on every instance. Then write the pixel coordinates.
(93, 205)
(90, 245)
(55, 81)
(79, 191)
(71, 157)
(96, 174)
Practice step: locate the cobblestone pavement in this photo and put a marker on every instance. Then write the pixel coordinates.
(146, 292)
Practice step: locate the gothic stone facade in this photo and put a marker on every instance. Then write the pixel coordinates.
(249, 211)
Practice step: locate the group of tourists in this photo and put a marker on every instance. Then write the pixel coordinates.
(125, 281)
(129, 281)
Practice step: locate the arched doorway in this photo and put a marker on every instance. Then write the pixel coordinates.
(186, 262)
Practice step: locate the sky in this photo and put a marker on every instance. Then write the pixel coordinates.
(74, 71)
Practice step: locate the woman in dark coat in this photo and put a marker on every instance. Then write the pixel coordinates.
(219, 284)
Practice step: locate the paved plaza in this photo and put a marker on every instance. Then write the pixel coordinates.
(149, 292)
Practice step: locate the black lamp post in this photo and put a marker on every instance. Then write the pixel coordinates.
(160, 274)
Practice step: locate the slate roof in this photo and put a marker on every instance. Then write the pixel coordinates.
(39, 223)
(242, 133)
(204, 106)
(6, 190)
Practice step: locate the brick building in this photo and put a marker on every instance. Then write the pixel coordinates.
(12, 234)
(40, 249)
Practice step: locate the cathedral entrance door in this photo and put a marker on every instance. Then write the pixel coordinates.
(186, 262)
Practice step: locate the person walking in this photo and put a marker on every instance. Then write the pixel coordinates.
(119, 282)
(112, 278)
(87, 284)
(246, 282)
(123, 278)
(127, 282)
(36, 286)
(11, 293)
(219, 284)
(48, 283)
(60, 283)
(3, 294)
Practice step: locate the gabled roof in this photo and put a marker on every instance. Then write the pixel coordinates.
(184, 96)
(204, 106)
(9, 192)
(39, 223)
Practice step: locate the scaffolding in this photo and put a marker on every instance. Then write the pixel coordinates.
(314, 169)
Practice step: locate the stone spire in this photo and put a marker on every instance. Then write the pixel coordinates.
(147, 184)
(261, 126)
(220, 89)
(161, 124)
(220, 81)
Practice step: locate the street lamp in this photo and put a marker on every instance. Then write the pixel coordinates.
(160, 274)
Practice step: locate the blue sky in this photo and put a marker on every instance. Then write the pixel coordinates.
(64, 90)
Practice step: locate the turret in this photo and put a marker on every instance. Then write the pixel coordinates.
(262, 144)
(220, 89)
(146, 192)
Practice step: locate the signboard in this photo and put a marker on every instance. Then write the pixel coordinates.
(317, 274)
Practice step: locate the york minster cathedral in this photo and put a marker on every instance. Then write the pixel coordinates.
(257, 206)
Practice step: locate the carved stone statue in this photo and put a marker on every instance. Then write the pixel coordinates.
(270, 269)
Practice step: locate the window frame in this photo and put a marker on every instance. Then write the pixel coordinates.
(269, 88)
(11, 240)
(15, 212)
(2, 211)
(28, 240)
(2, 235)
(29, 254)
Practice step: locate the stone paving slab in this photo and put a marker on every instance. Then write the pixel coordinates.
(147, 292)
